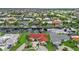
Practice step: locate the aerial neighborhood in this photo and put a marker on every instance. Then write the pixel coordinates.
(39, 29)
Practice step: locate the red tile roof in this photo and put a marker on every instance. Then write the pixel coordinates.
(57, 21)
(76, 37)
(41, 37)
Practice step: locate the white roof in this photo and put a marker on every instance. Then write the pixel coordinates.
(11, 38)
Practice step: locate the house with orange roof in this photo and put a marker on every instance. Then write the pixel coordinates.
(41, 37)
(75, 37)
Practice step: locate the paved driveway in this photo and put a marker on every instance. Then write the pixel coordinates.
(21, 47)
(42, 48)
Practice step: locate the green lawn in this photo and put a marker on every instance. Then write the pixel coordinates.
(50, 45)
(1, 49)
(22, 39)
(71, 44)
(1, 33)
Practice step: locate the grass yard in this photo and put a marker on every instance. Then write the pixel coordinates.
(22, 39)
(1, 33)
(71, 44)
(49, 45)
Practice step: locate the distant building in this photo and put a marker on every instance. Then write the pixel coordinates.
(11, 20)
(57, 22)
(46, 19)
(1, 21)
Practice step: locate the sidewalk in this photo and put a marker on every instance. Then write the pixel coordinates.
(61, 47)
(21, 47)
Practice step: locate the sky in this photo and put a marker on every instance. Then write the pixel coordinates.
(39, 3)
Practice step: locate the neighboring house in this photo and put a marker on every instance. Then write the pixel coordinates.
(8, 40)
(75, 37)
(58, 35)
